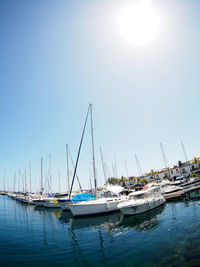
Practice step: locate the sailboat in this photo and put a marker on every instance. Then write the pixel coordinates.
(39, 202)
(99, 205)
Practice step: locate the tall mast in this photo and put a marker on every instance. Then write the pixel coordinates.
(126, 169)
(19, 180)
(138, 166)
(22, 183)
(59, 180)
(79, 151)
(4, 180)
(50, 176)
(93, 155)
(186, 158)
(165, 160)
(103, 165)
(41, 181)
(30, 177)
(67, 158)
(113, 171)
(115, 167)
(25, 181)
(14, 181)
(76, 172)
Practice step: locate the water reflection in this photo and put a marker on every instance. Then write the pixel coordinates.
(110, 222)
(145, 221)
(193, 195)
(52, 237)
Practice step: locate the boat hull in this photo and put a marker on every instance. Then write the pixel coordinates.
(95, 207)
(128, 209)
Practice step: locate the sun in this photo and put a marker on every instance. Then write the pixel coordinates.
(138, 23)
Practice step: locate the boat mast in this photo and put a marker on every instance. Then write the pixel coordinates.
(67, 158)
(126, 168)
(50, 177)
(186, 158)
(41, 181)
(76, 172)
(138, 166)
(79, 151)
(14, 181)
(25, 181)
(22, 183)
(165, 160)
(30, 177)
(4, 180)
(115, 166)
(19, 180)
(93, 155)
(103, 165)
(59, 180)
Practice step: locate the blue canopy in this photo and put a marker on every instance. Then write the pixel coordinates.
(78, 198)
(83, 197)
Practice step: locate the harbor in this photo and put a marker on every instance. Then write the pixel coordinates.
(99, 145)
(166, 236)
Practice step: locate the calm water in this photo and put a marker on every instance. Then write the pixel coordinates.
(167, 236)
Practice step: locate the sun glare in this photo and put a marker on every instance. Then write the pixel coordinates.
(138, 23)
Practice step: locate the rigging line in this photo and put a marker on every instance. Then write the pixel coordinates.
(79, 150)
(76, 173)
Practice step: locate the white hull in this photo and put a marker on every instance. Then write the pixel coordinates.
(98, 206)
(132, 207)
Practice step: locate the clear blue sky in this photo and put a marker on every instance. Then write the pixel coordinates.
(57, 56)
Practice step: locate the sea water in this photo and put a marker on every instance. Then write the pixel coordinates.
(166, 236)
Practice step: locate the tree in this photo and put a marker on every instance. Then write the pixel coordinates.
(138, 179)
(196, 160)
(123, 179)
(144, 181)
(113, 181)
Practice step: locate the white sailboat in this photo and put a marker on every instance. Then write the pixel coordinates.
(100, 205)
(39, 202)
(63, 201)
(108, 203)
